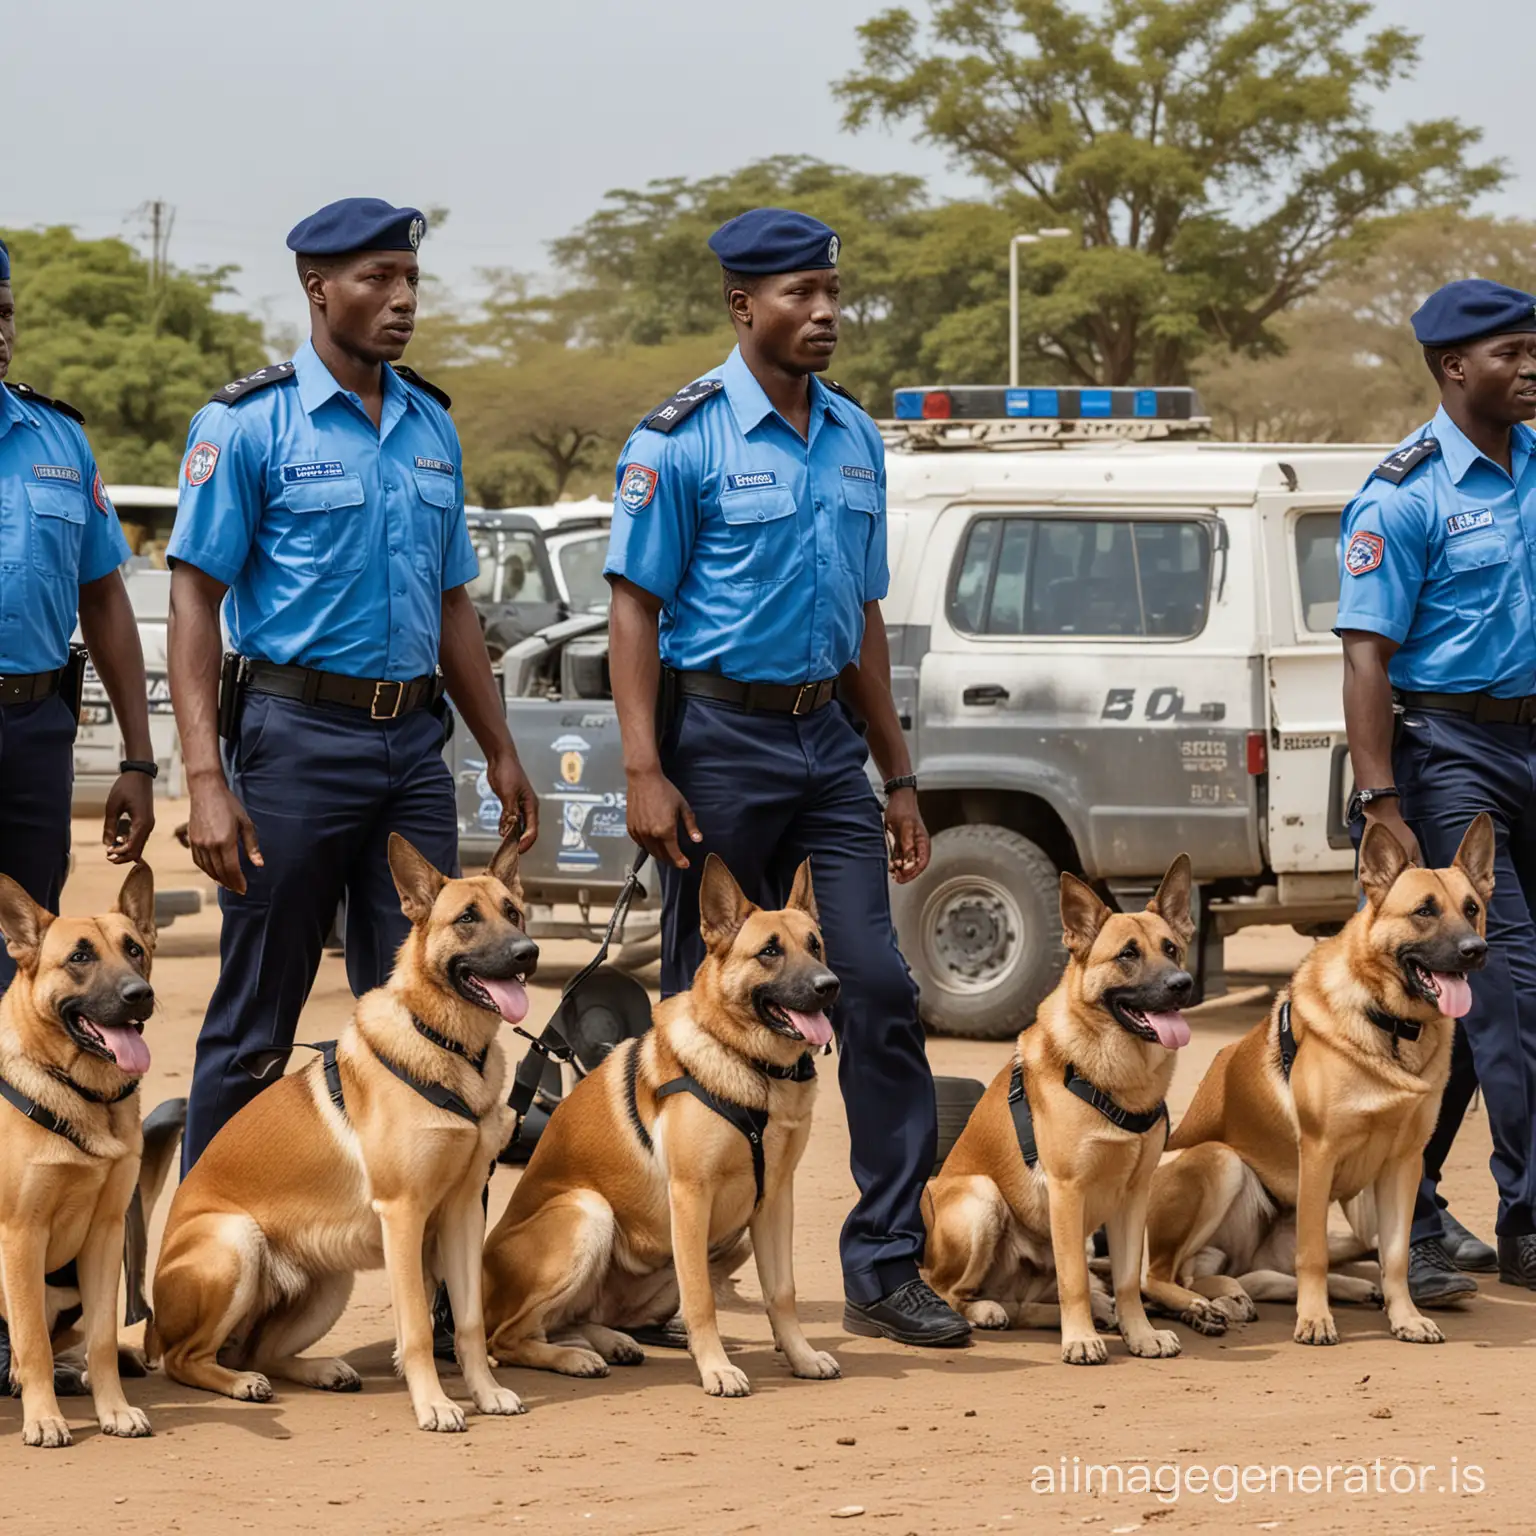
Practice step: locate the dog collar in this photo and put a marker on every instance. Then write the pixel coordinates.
(803, 1070)
(1116, 1114)
(428, 1033)
(89, 1095)
(1390, 1024)
(39, 1115)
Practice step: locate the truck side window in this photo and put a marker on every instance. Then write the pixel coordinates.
(971, 588)
(1317, 568)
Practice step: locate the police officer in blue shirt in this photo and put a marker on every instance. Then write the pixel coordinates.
(748, 560)
(1438, 617)
(322, 506)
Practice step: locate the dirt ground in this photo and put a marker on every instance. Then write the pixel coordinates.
(1245, 1432)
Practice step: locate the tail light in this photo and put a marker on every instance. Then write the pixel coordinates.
(1258, 753)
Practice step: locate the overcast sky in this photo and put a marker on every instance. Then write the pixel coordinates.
(516, 115)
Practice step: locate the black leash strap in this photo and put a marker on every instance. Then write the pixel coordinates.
(38, 1115)
(1116, 1114)
(1023, 1120)
(750, 1122)
(553, 1042)
(327, 1050)
(1287, 1040)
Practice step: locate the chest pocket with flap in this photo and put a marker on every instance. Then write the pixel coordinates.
(1483, 577)
(856, 526)
(58, 527)
(330, 523)
(437, 495)
(762, 544)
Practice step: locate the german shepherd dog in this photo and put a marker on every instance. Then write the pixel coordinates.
(640, 1190)
(382, 1165)
(71, 1046)
(1007, 1240)
(1330, 1098)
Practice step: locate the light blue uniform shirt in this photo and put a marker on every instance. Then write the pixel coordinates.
(336, 539)
(58, 532)
(1443, 564)
(763, 546)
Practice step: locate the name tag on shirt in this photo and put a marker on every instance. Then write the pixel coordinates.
(62, 472)
(751, 482)
(858, 472)
(1465, 522)
(437, 466)
(297, 474)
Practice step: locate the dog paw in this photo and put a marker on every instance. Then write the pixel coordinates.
(1237, 1309)
(581, 1362)
(622, 1350)
(500, 1401)
(335, 1376)
(1417, 1330)
(1155, 1344)
(1316, 1330)
(50, 1433)
(251, 1387)
(1377, 1297)
(726, 1382)
(441, 1417)
(1103, 1310)
(1208, 1319)
(985, 1314)
(819, 1367)
(131, 1361)
(1090, 1351)
(127, 1423)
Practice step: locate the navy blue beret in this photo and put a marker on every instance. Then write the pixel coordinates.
(1471, 308)
(770, 240)
(5, 263)
(358, 224)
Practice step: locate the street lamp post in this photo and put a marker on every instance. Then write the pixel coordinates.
(1013, 294)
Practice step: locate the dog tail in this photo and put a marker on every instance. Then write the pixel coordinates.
(162, 1138)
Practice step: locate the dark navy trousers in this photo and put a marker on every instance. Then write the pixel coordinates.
(769, 791)
(325, 786)
(37, 778)
(1448, 769)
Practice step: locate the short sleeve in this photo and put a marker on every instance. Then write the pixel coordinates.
(655, 512)
(220, 496)
(460, 562)
(104, 546)
(877, 573)
(1383, 557)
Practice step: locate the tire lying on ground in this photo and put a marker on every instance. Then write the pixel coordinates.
(981, 931)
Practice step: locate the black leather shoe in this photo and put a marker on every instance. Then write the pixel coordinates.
(442, 1327)
(1467, 1250)
(1433, 1278)
(68, 1378)
(911, 1314)
(1517, 1260)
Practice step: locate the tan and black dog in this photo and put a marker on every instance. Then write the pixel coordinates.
(649, 1175)
(1068, 1135)
(72, 1052)
(373, 1155)
(1330, 1098)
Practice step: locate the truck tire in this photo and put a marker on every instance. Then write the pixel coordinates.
(981, 931)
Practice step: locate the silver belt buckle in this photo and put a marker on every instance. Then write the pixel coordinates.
(392, 713)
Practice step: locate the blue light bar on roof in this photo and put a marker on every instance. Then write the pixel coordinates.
(988, 402)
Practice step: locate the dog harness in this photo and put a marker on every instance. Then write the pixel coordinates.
(1287, 1040)
(1388, 1023)
(433, 1093)
(1116, 1114)
(38, 1114)
(752, 1123)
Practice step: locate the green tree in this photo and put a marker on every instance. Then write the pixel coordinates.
(138, 358)
(1215, 158)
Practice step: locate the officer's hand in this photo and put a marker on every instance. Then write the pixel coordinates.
(217, 831)
(132, 797)
(910, 849)
(1390, 817)
(519, 804)
(655, 805)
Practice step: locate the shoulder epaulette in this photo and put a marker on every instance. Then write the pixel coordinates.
(682, 405)
(412, 377)
(31, 396)
(274, 373)
(1399, 464)
(847, 394)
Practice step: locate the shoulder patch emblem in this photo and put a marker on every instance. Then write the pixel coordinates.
(99, 495)
(636, 487)
(682, 405)
(1364, 553)
(1397, 466)
(238, 389)
(425, 385)
(202, 460)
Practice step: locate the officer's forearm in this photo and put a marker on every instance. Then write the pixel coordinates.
(111, 635)
(634, 664)
(195, 649)
(1368, 720)
(867, 682)
(467, 671)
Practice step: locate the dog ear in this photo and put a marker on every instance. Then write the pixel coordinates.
(416, 879)
(1173, 898)
(1382, 860)
(723, 907)
(1082, 915)
(22, 922)
(1475, 856)
(801, 894)
(136, 902)
(503, 865)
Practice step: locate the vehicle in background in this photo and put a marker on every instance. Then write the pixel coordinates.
(576, 536)
(515, 592)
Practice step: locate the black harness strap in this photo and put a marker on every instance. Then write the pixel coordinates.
(327, 1049)
(750, 1122)
(1287, 1040)
(1116, 1114)
(89, 1095)
(433, 1093)
(1389, 1023)
(39, 1115)
(1023, 1121)
(428, 1033)
(802, 1071)
(631, 1079)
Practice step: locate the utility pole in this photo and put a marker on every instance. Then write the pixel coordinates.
(1013, 293)
(161, 219)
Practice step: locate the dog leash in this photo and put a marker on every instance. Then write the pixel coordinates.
(553, 1043)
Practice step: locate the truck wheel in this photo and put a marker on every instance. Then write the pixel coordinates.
(982, 932)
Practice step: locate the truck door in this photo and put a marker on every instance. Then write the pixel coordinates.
(1309, 776)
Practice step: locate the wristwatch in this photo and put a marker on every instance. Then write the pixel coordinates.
(134, 765)
(902, 781)
(1363, 797)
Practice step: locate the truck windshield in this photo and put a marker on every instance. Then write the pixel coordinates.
(1317, 568)
(581, 565)
(509, 567)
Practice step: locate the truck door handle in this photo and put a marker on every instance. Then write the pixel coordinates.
(987, 693)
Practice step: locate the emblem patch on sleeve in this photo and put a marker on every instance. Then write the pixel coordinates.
(99, 495)
(636, 487)
(1364, 553)
(202, 460)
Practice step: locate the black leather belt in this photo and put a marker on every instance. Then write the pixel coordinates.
(29, 687)
(776, 698)
(1480, 708)
(383, 699)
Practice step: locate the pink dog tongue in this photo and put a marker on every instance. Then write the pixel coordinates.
(814, 1027)
(127, 1046)
(1454, 992)
(510, 997)
(1172, 1031)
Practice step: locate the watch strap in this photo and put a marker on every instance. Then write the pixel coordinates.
(139, 765)
(901, 781)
